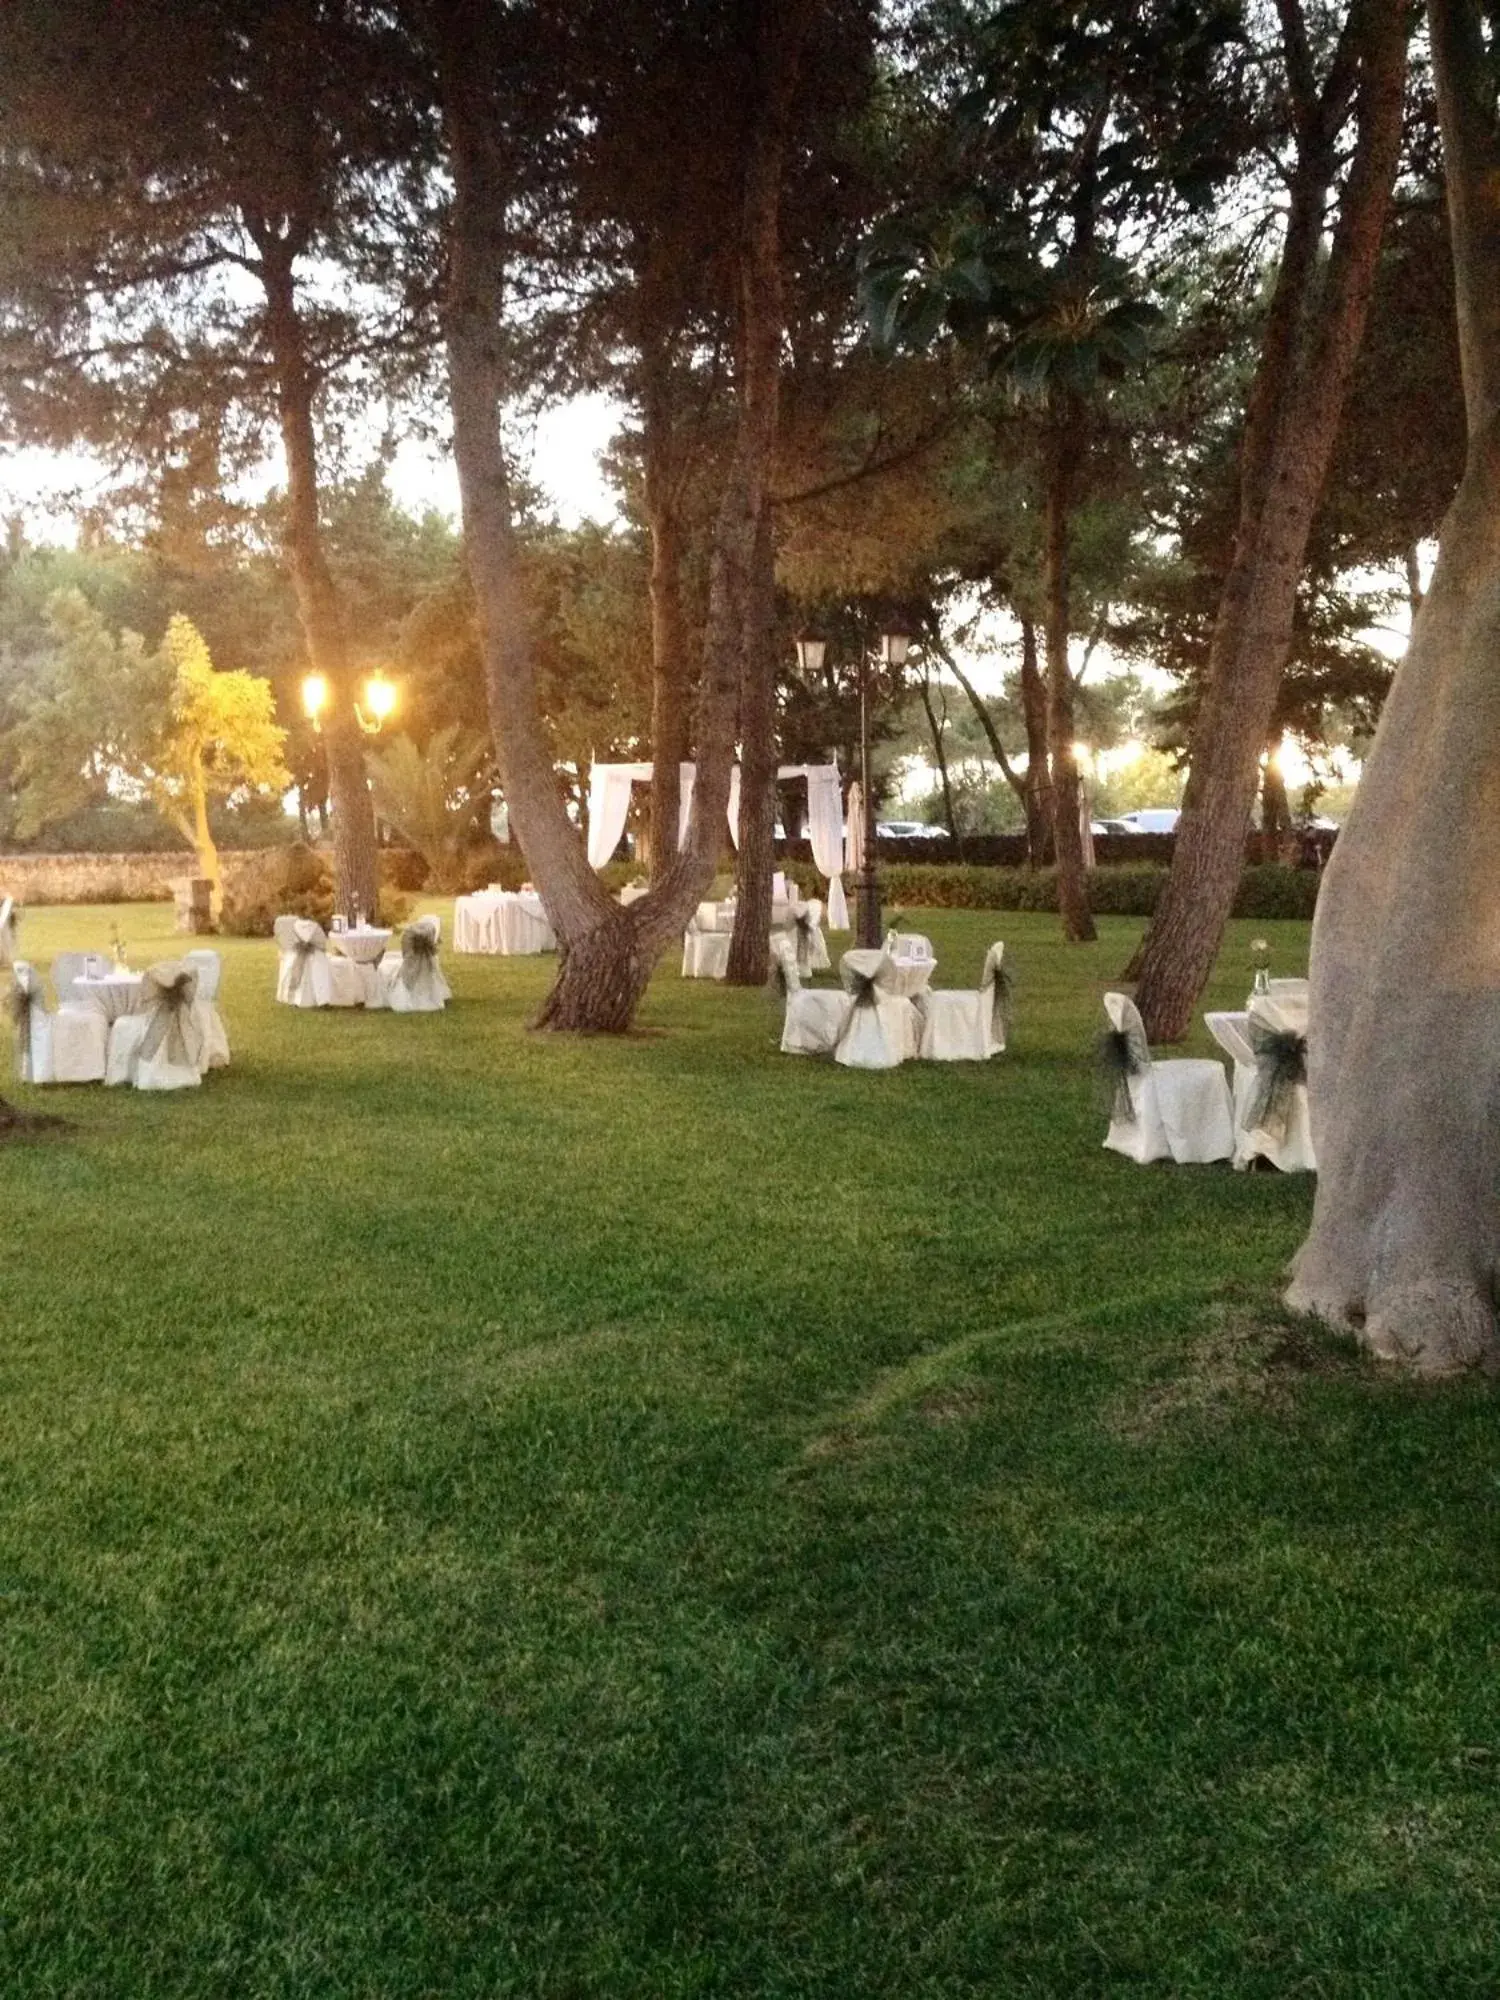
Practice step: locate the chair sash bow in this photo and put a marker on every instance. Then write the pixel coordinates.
(419, 951)
(1280, 1066)
(304, 951)
(21, 1002)
(172, 1028)
(863, 989)
(804, 929)
(1120, 1054)
(1002, 994)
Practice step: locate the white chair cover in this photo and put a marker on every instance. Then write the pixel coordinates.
(705, 953)
(803, 924)
(7, 931)
(161, 1046)
(303, 978)
(882, 1028)
(209, 968)
(32, 1024)
(813, 1019)
(966, 1027)
(1272, 1122)
(416, 985)
(1179, 1110)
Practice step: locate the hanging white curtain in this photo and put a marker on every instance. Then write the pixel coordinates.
(609, 808)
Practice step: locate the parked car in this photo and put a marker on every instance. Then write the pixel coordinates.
(1098, 826)
(909, 829)
(1151, 819)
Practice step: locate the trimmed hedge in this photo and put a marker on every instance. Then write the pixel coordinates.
(1132, 891)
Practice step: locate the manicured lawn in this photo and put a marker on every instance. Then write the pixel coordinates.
(488, 1515)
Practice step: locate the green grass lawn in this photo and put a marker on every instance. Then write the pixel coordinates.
(484, 1515)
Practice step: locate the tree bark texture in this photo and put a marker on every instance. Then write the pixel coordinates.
(1313, 333)
(606, 953)
(1404, 1056)
(1064, 795)
(669, 662)
(1034, 713)
(356, 866)
(749, 948)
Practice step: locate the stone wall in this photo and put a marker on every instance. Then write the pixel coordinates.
(118, 878)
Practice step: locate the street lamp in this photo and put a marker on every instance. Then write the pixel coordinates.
(379, 703)
(893, 650)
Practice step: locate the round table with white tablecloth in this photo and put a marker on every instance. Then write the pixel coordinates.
(508, 923)
(111, 994)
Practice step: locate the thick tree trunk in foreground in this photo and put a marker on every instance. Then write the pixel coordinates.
(755, 861)
(356, 867)
(1307, 357)
(1064, 795)
(1405, 1043)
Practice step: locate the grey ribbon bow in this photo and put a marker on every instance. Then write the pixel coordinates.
(1120, 1054)
(171, 1027)
(864, 991)
(418, 952)
(1280, 1066)
(1002, 994)
(803, 925)
(21, 1002)
(304, 951)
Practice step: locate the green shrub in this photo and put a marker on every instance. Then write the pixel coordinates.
(1277, 892)
(1129, 890)
(301, 885)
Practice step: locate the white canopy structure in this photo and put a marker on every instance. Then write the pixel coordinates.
(609, 806)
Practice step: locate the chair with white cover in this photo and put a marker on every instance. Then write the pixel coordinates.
(71, 965)
(7, 931)
(66, 1047)
(967, 1027)
(26, 1004)
(209, 968)
(1179, 1110)
(705, 952)
(803, 924)
(162, 1046)
(882, 1028)
(416, 984)
(814, 1017)
(1271, 1119)
(302, 976)
(908, 945)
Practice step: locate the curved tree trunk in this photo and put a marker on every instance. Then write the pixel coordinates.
(1404, 1055)
(1311, 342)
(939, 751)
(669, 661)
(1065, 798)
(606, 953)
(1034, 711)
(749, 948)
(356, 866)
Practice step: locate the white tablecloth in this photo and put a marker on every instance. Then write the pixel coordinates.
(365, 946)
(115, 994)
(501, 921)
(905, 977)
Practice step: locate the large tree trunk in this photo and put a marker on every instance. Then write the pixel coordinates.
(1312, 339)
(1064, 800)
(356, 867)
(669, 661)
(1405, 1004)
(749, 948)
(606, 952)
(1034, 713)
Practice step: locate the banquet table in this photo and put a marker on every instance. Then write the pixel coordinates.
(112, 994)
(906, 977)
(506, 922)
(366, 946)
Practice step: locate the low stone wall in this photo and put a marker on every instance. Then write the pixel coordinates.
(117, 878)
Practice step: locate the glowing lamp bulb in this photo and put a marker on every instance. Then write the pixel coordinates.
(314, 695)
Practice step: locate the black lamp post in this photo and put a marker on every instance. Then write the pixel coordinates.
(893, 645)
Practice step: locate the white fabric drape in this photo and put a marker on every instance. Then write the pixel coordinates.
(609, 808)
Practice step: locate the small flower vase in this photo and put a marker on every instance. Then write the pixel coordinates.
(1262, 980)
